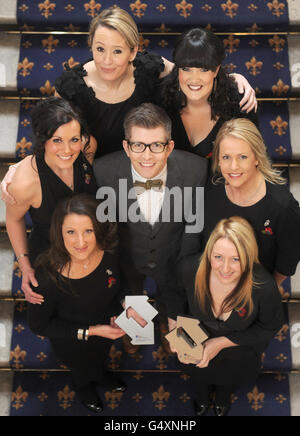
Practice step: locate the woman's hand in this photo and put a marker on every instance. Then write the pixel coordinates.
(212, 348)
(4, 185)
(28, 278)
(248, 102)
(107, 331)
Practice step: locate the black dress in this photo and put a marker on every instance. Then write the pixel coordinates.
(275, 220)
(54, 190)
(105, 120)
(233, 366)
(86, 302)
(205, 147)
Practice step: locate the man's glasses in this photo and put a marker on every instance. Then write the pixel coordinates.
(140, 147)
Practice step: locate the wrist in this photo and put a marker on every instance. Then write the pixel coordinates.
(93, 330)
(24, 263)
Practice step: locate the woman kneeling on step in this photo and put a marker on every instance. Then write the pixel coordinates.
(79, 279)
(238, 304)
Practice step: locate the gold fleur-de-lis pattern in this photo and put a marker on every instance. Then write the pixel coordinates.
(154, 383)
(155, 394)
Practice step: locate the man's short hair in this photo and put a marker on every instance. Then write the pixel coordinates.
(149, 116)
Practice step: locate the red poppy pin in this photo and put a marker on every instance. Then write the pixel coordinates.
(88, 179)
(241, 312)
(267, 230)
(111, 282)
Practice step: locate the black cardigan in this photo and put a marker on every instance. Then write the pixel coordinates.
(254, 331)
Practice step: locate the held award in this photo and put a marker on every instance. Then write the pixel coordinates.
(187, 339)
(140, 335)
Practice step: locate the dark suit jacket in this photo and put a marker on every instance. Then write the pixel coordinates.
(154, 251)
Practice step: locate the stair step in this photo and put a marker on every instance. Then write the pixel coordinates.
(8, 12)
(6, 324)
(6, 385)
(10, 51)
(294, 317)
(9, 125)
(294, 12)
(295, 394)
(7, 266)
(294, 118)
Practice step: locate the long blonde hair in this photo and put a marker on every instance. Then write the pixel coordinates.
(244, 129)
(119, 20)
(241, 234)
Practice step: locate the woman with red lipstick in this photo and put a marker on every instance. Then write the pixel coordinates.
(199, 95)
(238, 304)
(60, 165)
(117, 78)
(79, 280)
(246, 185)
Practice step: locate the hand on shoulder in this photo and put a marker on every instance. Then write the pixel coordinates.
(24, 185)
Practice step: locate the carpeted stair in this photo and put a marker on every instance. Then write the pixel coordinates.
(32, 59)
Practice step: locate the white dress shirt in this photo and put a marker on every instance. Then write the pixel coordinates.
(151, 200)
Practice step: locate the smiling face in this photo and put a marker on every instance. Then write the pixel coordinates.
(148, 164)
(225, 262)
(63, 148)
(237, 162)
(111, 54)
(196, 83)
(79, 237)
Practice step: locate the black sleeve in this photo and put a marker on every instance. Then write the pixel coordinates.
(43, 319)
(269, 319)
(70, 83)
(288, 238)
(177, 302)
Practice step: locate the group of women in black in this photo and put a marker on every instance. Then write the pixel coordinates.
(251, 238)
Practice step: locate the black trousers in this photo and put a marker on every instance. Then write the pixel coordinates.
(134, 282)
(231, 368)
(86, 360)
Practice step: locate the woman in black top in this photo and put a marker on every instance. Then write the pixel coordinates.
(60, 165)
(239, 306)
(199, 95)
(117, 78)
(256, 192)
(79, 279)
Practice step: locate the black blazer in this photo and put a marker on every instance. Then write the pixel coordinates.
(153, 250)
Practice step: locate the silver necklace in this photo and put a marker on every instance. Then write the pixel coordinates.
(244, 203)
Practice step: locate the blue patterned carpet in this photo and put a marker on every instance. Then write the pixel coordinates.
(155, 387)
(148, 394)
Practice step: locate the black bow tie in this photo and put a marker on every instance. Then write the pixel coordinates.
(149, 184)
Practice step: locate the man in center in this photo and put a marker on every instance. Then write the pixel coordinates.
(162, 187)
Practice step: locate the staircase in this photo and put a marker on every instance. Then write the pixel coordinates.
(34, 44)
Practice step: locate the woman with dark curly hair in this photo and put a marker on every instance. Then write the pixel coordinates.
(79, 280)
(198, 94)
(60, 166)
(117, 78)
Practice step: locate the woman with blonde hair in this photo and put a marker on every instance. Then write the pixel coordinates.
(246, 185)
(238, 304)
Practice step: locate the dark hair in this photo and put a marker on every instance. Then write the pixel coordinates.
(56, 258)
(48, 115)
(147, 115)
(200, 48)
